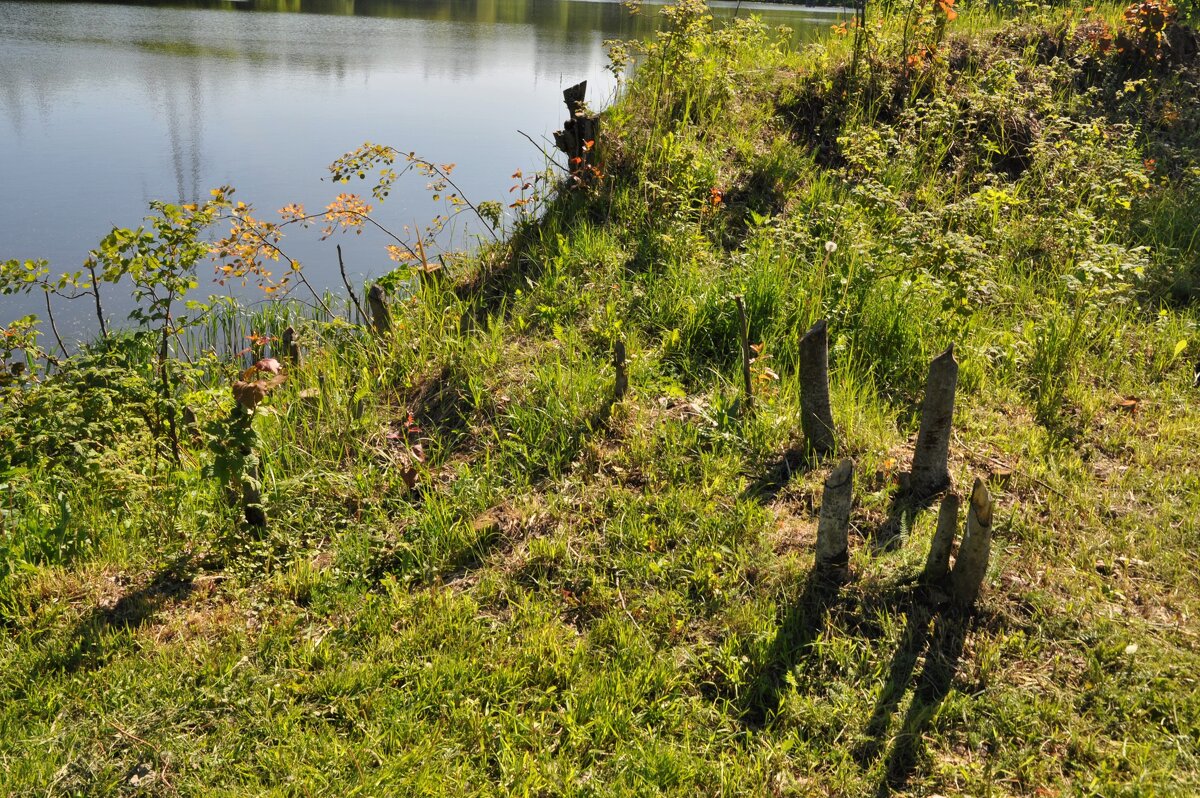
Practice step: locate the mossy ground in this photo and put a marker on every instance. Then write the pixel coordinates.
(583, 597)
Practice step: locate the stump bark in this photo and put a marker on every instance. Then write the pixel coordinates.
(937, 564)
(381, 317)
(970, 567)
(816, 418)
(291, 348)
(579, 134)
(833, 538)
(930, 472)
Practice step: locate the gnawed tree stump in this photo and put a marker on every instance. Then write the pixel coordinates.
(579, 134)
(252, 505)
(747, 355)
(381, 317)
(621, 385)
(833, 528)
(937, 564)
(291, 348)
(816, 418)
(930, 472)
(970, 567)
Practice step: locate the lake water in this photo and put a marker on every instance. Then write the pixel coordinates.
(105, 107)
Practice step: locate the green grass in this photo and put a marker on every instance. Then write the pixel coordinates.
(570, 596)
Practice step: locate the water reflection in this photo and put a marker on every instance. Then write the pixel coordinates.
(106, 107)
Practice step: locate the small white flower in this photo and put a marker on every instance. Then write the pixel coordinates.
(831, 247)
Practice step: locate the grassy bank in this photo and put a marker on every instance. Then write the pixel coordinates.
(481, 575)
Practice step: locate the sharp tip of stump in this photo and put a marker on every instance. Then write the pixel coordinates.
(946, 356)
(981, 502)
(839, 475)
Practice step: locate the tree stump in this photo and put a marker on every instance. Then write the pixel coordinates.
(937, 564)
(833, 538)
(579, 134)
(970, 567)
(930, 472)
(252, 506)
(816, 418)
(381, 317)
(291, 348)
(621, 385)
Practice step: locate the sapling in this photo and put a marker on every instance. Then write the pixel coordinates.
(234, 441)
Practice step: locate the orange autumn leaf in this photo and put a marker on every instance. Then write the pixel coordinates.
(268, 365)
(249, 392)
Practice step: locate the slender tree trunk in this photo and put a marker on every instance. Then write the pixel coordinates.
(96, 296)
(349, 289)
(164, 351)
(54, 327)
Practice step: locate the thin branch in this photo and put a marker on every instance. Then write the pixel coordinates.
(543, 151)
(458, 191)
(293, 265)
(91, 267)
(163, 770)
(311, 290)
(348, 212)
(346, 282)
(53, 326)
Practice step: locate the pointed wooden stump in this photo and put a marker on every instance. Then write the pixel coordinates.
(381, 317)
(291, 348)
(937, 564)
(816, 418)
(833, 539)
(930, 472)
(252, 506)
(970, 567)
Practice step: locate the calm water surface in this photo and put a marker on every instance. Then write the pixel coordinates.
(104, 108)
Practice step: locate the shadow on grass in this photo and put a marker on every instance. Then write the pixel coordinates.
(799, 625)
(765, 487)
(942, 646)
(494, 530)
(489, 290)
(938, 637)
(902, 514)
(84, 644)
